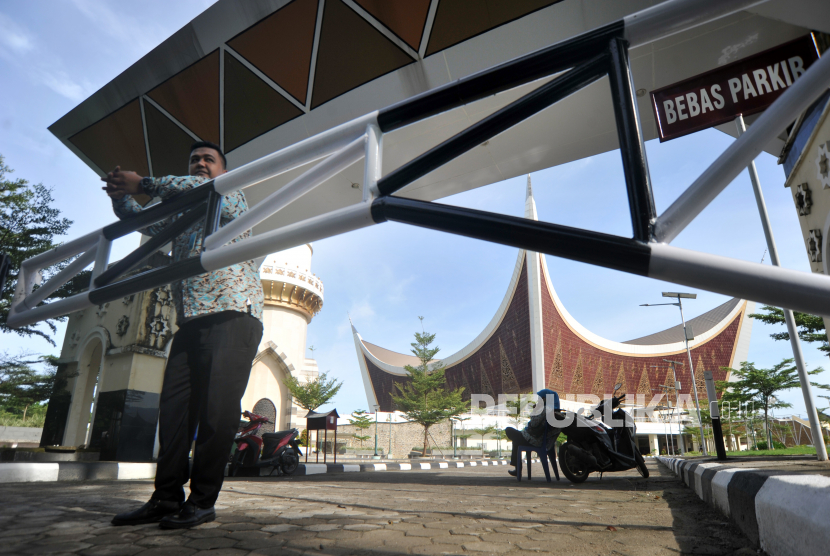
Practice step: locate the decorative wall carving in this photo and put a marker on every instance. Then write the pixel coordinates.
(74, 338)
(803, 199)
(122, 326)
(823, 165)
(102, 310)
(814, 245)
(160, 314)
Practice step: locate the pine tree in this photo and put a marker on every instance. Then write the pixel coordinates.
(425, 399)
(556, 378)
(576, 381)
(509, 384)
(361, 421)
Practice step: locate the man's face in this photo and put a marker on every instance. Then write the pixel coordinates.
(206, 162)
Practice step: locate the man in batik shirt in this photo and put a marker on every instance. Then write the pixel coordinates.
(219, 318)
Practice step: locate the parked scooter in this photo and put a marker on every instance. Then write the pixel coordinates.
(594, 445)
(279, 450)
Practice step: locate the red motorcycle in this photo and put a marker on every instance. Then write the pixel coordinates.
(279, 450)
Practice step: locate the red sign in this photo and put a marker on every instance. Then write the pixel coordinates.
(720, 95)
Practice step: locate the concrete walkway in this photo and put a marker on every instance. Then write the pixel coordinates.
(471, 510)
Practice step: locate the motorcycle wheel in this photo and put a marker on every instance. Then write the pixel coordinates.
(241, 458)
(290, 462)
(575, 470)
(641, 464)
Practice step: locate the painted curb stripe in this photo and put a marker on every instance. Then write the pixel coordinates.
(792, 514)
(27, 472)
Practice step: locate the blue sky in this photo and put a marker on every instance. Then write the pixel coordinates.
(55, 54)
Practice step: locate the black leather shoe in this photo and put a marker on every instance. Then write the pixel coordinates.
(512, 472)
(189, 516)
(150, 512)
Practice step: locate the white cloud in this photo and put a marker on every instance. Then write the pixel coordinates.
(62, 84)
(14, 37)
(140, 36)
(19, 48)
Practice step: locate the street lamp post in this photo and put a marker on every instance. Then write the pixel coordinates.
(676, 401)
(688, 354)
(376, 433)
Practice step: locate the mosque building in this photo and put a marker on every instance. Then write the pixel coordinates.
(532, 342)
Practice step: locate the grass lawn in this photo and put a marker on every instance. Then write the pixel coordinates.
(794, 451)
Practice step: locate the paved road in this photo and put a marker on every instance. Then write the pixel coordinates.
(456, 511)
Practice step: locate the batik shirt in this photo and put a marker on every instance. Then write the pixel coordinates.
(227, 289)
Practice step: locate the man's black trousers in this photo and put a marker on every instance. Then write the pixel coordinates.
(206, 375)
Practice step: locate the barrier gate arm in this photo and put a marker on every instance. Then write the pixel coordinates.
(583, 59)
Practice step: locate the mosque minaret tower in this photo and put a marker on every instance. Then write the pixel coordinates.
(293, 296)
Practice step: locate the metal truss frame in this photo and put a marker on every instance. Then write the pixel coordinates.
(575, 63)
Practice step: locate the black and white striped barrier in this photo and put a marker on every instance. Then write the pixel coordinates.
(316, 468)
(25, 472)
(783, 514)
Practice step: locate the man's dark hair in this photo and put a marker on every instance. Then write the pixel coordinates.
(209, 145)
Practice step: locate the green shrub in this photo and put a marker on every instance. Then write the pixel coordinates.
(35, 418)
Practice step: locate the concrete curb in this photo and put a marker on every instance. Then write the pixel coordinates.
(786, 515)
(24, 472)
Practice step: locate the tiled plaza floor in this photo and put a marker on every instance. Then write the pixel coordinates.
(457, 511)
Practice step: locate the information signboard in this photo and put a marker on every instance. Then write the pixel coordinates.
(720, 95)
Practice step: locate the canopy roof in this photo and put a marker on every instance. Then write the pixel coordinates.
(257, 76)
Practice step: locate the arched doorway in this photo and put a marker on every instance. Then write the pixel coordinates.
(266, 408)
(267, 382)
(85, 394)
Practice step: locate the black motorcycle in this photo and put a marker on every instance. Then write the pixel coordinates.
(594, 445)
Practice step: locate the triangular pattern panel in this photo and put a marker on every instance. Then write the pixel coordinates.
(192, 97)
(169, 144)
(351, 53)
(405, 18)
(252, 107)
(280, 46)
(115, 140)
(459, 20)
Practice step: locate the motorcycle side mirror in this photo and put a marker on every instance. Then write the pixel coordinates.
(617, 386)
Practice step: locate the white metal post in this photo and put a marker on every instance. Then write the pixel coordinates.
(694, 386)
(795, 342)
